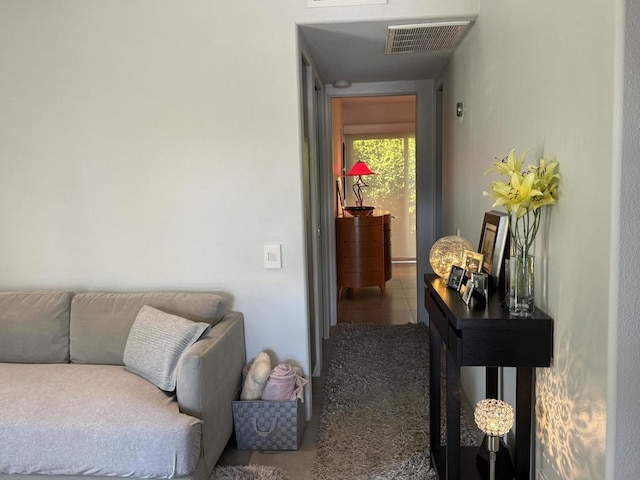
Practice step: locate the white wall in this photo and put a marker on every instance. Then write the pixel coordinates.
(541, 75)
(623, 423)
(156, 145)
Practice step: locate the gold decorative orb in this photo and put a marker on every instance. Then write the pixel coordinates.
(446, 252)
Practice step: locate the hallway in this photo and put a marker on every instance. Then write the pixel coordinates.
(397, 306)
(363, 305)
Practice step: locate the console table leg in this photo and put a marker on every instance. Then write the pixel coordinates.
(453, 418)
(435, 350)
(524, 420)
(491, 386)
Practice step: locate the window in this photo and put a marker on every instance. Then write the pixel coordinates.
(393, 187)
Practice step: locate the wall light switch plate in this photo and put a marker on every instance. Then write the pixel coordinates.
(272, 256)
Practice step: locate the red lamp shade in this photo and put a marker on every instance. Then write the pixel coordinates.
(359, 168)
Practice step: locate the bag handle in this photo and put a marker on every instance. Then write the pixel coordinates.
(272, 427)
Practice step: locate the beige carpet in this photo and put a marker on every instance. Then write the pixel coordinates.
(247, 472)
(374, 423)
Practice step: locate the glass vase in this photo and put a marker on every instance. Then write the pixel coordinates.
(521, 263)
(521, 278)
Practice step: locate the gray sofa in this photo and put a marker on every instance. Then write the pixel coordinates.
(71, 405)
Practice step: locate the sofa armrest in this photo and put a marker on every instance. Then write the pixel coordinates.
(209, 379)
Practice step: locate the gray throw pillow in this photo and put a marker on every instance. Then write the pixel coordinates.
(155, 343)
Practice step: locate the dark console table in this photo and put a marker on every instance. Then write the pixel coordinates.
(481, 335)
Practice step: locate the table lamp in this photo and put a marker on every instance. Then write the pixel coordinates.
(495, 419)
(358, 170)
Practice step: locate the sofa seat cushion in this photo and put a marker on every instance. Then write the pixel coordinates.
(68, 419)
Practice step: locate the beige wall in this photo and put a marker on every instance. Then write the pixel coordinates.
(541, 75)
(156, 145)
(379, 110)
(624, 337)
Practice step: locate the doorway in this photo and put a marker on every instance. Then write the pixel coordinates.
(426, 216)
(380, 131)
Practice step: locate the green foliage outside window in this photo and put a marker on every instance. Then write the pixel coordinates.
(394, 179)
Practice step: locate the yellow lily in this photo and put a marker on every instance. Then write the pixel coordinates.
(526, 191)
(509, 165)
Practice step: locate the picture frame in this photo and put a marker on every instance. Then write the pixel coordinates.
(480, 282)
(494, 244)
(471, 262)
(468, 293)
(340, 197)
(456, 276)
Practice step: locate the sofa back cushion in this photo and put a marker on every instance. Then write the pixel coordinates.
(100, 322)
(34, 326)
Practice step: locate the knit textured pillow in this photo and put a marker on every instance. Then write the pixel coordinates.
(156, 342)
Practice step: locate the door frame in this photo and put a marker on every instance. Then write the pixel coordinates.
(428, 216)
(317, 281)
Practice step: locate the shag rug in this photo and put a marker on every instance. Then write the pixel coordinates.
(248, 472)
(374, 423)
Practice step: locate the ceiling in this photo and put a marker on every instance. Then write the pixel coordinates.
(354, 51)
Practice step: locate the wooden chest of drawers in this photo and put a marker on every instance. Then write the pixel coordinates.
(363, 251)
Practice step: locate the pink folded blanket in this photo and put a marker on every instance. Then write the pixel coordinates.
(284, 384)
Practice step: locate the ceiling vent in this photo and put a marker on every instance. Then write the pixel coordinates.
(424, 37)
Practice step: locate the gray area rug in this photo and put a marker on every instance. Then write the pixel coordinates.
(374, 422)
(247, 472)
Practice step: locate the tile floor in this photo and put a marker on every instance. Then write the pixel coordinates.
(397, 306)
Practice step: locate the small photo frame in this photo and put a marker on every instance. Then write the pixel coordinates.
(480, 283)
(466, 296)
(471, 262)
(456, 276)
(339, 197)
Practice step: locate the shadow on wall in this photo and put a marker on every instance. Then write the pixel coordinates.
(572, 424)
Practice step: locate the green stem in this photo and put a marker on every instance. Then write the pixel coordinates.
(524, 230)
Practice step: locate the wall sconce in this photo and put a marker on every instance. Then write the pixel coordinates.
(446, 252)
(459, 109)
(495, 419)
